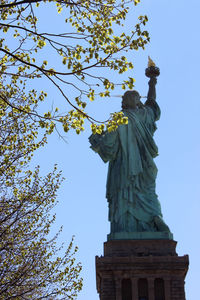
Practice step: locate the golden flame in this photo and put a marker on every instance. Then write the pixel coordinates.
(151, 63)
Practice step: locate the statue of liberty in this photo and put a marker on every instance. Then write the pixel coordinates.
(134, 209)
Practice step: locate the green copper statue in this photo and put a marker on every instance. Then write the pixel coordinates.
(134, 209)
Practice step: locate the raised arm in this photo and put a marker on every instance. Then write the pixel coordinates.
(151, 98)
(152, 89)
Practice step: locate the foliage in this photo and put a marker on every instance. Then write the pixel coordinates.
(30, 267)
(93, 40)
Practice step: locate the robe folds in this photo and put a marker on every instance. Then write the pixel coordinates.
(130, 188)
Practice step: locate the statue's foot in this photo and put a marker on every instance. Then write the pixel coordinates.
(160, 224)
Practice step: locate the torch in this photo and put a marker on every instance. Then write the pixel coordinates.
(152, 71)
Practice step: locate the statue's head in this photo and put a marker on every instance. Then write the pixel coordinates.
(131, 99)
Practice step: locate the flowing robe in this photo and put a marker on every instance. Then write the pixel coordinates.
(130, 189)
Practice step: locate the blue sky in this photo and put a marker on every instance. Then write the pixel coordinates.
(82, 209)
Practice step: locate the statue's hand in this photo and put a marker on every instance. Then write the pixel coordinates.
(153, 81)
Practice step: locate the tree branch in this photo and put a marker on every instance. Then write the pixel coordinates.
(34, 1)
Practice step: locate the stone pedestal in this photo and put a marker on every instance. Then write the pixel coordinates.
(141, 270)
